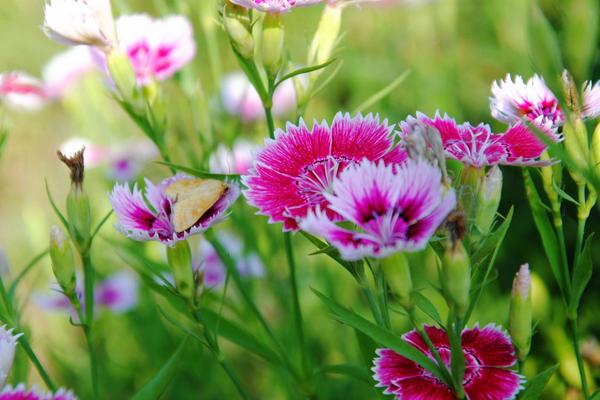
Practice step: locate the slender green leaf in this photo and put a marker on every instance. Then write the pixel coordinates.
(595, 395)
(580, 27)
(158, 384)
(380, 335)
(352, 267)
(425, 305)
(239, 335)
(493, 241)
(60, 216)
(25, 271)
(544, 227)
(367, 347)
(582, 273)
(100, 224)
(3, 140)
(201, 174)
(544, 47)
(352, 371)
(304, 70)
(375, 98)
(564, 194)
(535, 386)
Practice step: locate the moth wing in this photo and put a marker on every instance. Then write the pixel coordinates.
(193, 203)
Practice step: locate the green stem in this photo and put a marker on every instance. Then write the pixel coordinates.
(36, 362)
(287, 238)
(580, 364)
(382, 292)
(223, 255)
(366, 288)
(581, 220)
(88, 283)
(558, 226)
(214, 348)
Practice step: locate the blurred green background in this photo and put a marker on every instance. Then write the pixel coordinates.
(453, 49)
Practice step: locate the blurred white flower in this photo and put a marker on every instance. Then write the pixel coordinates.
(8, 342)
(73, 22)
(65, 68)
(242, 100)
(93, 154)
(118, 293)
(235, 161)
(591, 100)
(22, 92)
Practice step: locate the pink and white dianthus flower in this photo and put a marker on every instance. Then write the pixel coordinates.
(8, 344)
(478, 146)
(591, 100)
(20, 392)
(157, 48)
(65, 68)
(150, 215)
(22, 92)
(294, 171)
(85, 22)
(274, 6)
(393, 207)
(532, 100)
(235, 161)
(241, 99)
(488, 352)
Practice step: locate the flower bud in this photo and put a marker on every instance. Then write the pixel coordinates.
(570, 91)
(63, 263)
(520, 312)
(273, 37)
(456, 277)
(397, 274)
(78, 203)
(471, 179)
(325, 38)
(488, 200)
(576, 145)
(8, 343)
(238, 25)
(122, 74)
(179, 257)
(595, 151)
(551, 176)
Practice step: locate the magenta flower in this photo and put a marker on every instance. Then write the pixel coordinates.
(118, 292)
(591, 100)
(214, 270)
(488, 353)
(65, 68)
(394, 208)
(157, 48)
(292, 173)
(477, 145)
(20, 392)
(274, 6)
(152, 215)
(241, 99)
(532, 100)
(235, 161)
(22, 92)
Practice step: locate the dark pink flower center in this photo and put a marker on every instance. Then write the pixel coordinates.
(549, 109)
(148, 62)
(11, 84)
(315, 179)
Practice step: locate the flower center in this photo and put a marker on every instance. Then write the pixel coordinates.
(315, 179)
(548, 109)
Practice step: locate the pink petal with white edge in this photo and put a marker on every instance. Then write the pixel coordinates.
(274, 6)
(591, 100)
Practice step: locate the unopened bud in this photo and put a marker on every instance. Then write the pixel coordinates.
(551, 177)
(520, 312)
(456, 277)
(325, 38)
(122, 74)
(238, 25)
(179, 257)
(488, 200)
(570, 92)
(576, 145)
(273, 37)
(471, 179)
(78, 203)
(595, 151)
(397, 274)
(63, 263)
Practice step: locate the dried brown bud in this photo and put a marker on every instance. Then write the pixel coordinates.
(570, 92)
(456, 223)
(75, 164)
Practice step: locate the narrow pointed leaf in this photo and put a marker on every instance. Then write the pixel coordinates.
(201, 174)
(60, 216)
(544, 47)
(535, 386)
(380, 335)
(304, 70)
(375, 98)
(157, 385)
(582, 273)
(352, 371)
(425, 305)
